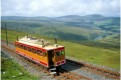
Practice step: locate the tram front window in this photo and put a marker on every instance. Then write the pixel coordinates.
(59, 53)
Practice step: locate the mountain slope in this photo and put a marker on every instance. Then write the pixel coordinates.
(72, 27)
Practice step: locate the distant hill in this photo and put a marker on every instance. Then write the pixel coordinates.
(71, 27)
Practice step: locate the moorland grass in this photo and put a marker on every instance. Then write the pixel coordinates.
(10, 70)
(97, 55)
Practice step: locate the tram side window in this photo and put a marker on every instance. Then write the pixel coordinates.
(29, 49)
(33, 50)
(39, 52)
(44, 54)
(19, 45)
(25, 47)
(22, 46)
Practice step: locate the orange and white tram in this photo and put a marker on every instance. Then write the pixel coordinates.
(41, 52)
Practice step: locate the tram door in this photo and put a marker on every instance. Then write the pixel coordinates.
(50, 58)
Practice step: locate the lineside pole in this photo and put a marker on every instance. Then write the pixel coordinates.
(6, 34)
(56, 36)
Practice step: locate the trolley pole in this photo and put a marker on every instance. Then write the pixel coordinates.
(6, 34)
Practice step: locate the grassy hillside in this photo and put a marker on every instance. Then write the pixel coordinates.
(71, 28)
(10, 70)
(98, 55)
(48, 29)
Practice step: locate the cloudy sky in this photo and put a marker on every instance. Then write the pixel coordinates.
(54, 8)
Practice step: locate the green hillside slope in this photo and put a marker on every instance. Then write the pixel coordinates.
(71, 28)
(10, 70)
(97, 55)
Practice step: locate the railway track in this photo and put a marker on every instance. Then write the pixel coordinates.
(62, 75)
(67, 75)
(94, 69)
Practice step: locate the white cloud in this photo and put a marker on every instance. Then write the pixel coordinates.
(59, 7)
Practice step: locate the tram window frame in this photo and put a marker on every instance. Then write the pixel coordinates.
(21, 46)
(29, 49)
(33, 50)
(40, 52)
(18, 45)
(44, 54)
(57, 53)
(25, 47)
(62, 52)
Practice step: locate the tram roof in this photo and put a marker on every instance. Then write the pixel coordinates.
(38, 43)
